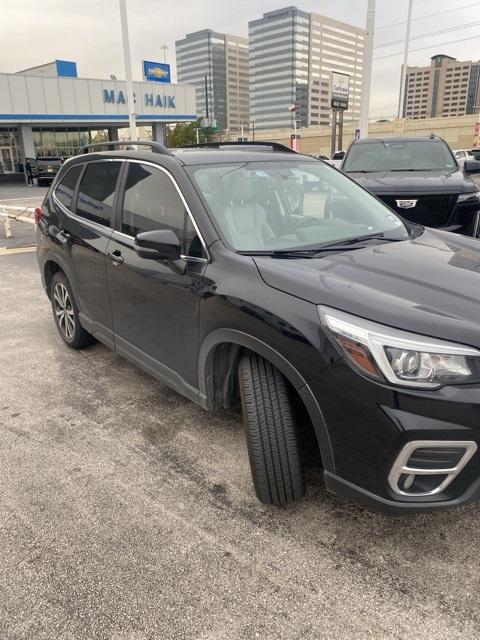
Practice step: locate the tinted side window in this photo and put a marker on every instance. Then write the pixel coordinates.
(66, 187)
(97, 191)
(152, 202)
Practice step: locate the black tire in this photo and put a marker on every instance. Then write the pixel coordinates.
(272, 432)
(68, 323)
(40, 183)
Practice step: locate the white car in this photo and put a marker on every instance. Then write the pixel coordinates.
(337, 159)
(461, 155)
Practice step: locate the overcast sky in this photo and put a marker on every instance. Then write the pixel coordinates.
(36, 31)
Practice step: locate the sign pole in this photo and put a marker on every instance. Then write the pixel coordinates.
(340, 131)
(334, 133)
(128, 71)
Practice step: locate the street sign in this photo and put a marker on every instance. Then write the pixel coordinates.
(339, 90)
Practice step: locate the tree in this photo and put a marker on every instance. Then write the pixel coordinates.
(183, 134)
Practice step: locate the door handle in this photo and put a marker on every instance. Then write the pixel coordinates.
(63, 237)
(116, 256)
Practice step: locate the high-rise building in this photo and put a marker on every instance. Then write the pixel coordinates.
(447, 87)
(292, 56)
(223, 60)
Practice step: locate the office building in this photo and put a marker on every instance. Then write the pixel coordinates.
(223, 60)
(447, 87)
(292, 56)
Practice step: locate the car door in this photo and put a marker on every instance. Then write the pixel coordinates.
(155, 303)
(86, 231)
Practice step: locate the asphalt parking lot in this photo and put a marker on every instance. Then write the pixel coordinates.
(127, 513)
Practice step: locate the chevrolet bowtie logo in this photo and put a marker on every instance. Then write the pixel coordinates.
(406, 204)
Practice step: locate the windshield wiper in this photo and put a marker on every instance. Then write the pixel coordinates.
(295, 253)
(392, 170)
(340, 245)
(348, 242)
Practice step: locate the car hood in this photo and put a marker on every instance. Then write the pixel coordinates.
(413, 182)
(429, 285)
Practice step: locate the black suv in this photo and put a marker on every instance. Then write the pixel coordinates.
(46, 169)
(420, 179)
(260, 275)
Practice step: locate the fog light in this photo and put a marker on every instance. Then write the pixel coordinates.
(427, 467)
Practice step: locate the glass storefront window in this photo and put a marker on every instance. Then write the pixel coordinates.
(9, 150)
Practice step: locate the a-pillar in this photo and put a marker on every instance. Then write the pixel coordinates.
(159, 133)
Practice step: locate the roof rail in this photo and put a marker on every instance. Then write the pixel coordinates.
(155, 146)
(275, 146)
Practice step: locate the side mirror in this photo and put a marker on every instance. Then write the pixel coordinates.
(162, 244)
(471, 166)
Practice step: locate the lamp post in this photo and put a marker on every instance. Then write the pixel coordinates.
(367, 70)
(403, 75)
(165, 49)
(128, 70)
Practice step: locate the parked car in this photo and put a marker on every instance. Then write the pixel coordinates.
(461, 155)
(219, 272)
(419, 179)
(337, 159)
(46, 169)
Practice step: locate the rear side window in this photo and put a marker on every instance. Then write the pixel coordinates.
(66, 187)
(97, 191)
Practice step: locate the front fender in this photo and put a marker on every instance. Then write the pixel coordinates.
(224, 336)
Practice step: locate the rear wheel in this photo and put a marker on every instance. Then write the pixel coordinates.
(272, 432)
(65, 313)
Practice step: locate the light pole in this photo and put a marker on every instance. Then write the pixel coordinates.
(165, 48)
(403, 75)
(367, 70)
(128, 71)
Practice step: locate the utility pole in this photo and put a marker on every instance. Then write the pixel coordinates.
(403, 75)
(206, 97)
(128, 70)
(367, 70)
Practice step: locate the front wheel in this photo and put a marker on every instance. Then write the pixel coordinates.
(272, 432)
(65, 313)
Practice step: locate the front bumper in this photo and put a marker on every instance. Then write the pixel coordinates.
(370, 423)
(359, 495)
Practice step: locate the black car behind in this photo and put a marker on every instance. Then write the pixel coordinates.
(419, 179)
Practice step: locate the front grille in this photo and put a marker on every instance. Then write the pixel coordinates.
(430, 211)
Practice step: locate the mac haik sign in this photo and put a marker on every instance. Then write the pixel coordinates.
(340, 90)
(110, 96)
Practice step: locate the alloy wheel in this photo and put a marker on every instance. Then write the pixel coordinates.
(64, 310)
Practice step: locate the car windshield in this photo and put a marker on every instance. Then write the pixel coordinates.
(288, 205)
(404, 155)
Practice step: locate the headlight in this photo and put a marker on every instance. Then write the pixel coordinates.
(473, 197)
(400, 357)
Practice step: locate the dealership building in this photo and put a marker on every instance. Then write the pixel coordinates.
(49, 111)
